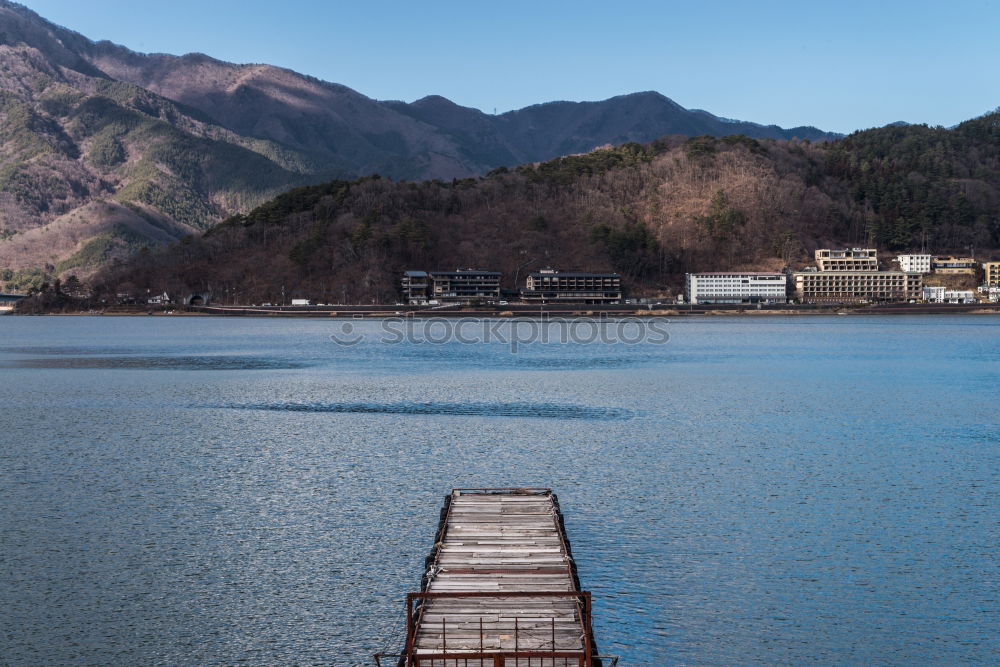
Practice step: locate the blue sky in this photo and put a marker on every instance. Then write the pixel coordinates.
(840, 66)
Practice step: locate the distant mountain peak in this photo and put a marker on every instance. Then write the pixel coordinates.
(653, 95)
(439, 101)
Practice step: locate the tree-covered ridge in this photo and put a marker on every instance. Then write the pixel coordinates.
(651, 212)
(924, 186)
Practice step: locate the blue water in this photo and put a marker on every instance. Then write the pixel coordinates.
(772, 491)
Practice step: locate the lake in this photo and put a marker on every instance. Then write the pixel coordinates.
(756, 490)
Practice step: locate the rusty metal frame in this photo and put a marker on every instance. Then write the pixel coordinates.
(583, 604)
(444, 657)
(527, 490)
(414, 612)
(499, 658)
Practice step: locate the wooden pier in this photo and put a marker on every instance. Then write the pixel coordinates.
(500, 589)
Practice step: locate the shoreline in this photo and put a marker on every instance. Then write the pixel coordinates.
(511, 311)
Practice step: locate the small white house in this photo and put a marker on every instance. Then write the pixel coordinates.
(945, 295)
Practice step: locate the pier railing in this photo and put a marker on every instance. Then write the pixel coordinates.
(526, 645)
(504, 659)
(518, 627)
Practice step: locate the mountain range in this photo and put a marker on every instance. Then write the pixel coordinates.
(104, 151)
(650, 212)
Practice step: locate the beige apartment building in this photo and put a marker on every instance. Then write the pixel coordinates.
(954, 266)
(856, 286)
(992, 274)
(848, 259)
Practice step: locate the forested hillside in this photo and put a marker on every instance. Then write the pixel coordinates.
(916, 183)
(651, 212)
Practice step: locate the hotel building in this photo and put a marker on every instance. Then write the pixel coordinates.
(736, 288)
(856, 286)
(552, 286)
(853, 259)
(464, 285)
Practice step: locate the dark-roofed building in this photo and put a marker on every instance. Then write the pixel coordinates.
(415, 286)
(464, 285)
(552, 286)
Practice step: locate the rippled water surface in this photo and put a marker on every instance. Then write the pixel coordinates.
(757, 491)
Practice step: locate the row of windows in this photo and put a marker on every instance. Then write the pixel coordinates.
(573, 294)
(809, 293)
(737, 281)
(762, 288)
(859, 281)
(737, 276)
(914, 283)
(864, 262)
(834, 290)
(737, 286)
(737, 291)
(580, 281)
(456, 294)
(860, 277)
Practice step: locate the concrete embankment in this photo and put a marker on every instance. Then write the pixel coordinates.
(551, 311)
(599, 310)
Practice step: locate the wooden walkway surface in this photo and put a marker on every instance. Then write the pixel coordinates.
(496, 548)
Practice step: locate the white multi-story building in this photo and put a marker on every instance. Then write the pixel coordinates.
(736, 288)
(945, 295)
(915, 263)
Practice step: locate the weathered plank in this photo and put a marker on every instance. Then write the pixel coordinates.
(495, 542)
